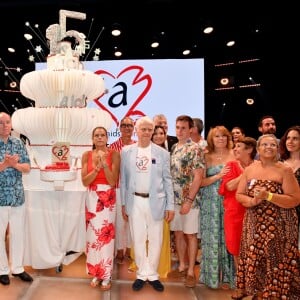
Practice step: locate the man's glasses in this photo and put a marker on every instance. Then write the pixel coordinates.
(126, 126)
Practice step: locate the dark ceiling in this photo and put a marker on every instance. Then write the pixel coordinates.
(181, 22)
(177, 25)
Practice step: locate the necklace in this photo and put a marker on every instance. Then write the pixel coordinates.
(219, 156)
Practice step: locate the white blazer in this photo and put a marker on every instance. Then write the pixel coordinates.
(161, 194)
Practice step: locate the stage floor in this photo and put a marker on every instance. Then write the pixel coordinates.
(73, 283)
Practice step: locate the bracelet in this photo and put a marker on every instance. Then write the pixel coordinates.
(270, 196)
(188, 199)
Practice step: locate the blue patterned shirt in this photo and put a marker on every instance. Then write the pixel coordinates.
(11, 182)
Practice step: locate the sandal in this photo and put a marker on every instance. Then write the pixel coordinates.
(225, 286)
(119, 260)
(95, 282)
(238, 295)
(105, 285)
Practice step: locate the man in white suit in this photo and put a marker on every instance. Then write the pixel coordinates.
(147, 198)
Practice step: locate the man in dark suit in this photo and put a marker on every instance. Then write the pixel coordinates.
(162, 121)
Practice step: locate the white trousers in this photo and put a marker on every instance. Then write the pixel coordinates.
(144, 228)
(123, 238)
(15, 217)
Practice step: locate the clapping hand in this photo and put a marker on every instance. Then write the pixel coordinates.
(260, 193)
(11, 160)
(102, 158)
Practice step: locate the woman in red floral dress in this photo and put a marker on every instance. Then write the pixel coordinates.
(100, 171)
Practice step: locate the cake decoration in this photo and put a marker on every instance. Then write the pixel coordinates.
(59, 127)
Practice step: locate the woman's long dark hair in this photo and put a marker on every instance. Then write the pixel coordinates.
(284, 153)
(154, 131)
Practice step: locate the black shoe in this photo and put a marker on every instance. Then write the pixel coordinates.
(138, 284)
(157, 285)
(24, 276)
(4, 279)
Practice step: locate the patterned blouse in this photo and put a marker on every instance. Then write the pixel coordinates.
(184, 160)
(11, 183)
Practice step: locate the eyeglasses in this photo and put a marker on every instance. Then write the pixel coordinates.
(126, 125)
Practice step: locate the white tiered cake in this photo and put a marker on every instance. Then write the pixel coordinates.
(59, 127)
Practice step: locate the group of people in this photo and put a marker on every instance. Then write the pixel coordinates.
(261, 226)
(141, 174)
(238, 195)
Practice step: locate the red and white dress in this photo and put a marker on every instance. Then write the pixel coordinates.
(100, 224)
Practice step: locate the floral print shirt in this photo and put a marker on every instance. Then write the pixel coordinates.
(184, 160)
(11, 183)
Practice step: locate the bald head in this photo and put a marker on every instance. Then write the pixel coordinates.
(5, 125)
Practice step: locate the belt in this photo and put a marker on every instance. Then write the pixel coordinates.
(144, 195)
(100, 187)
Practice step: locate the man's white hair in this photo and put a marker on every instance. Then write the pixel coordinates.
(144, 120)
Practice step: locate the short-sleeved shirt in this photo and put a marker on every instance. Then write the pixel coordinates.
(184, 160)
(11, 183)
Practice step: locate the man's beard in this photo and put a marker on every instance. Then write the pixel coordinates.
(270, 131)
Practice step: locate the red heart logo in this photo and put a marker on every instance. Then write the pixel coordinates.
(142, 162)
(61, 152)
(135, 73)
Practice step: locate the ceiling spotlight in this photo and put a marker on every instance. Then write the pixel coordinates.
(28, 36)
(230, 43)
(11, 50)
(186, 52)
(27, 24)
(13, 84)
(118, 53)
(208, 29)
(155, 44)
(116, 31)
(224, 81)
(250, 101)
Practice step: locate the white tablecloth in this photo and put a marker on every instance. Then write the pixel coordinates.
(55, 224)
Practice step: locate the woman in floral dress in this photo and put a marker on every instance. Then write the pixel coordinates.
(100, 171)
(216, 268)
